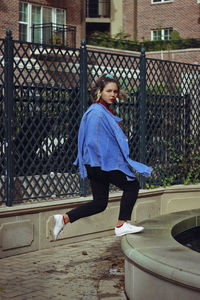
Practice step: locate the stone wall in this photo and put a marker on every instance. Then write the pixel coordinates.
(28, 227)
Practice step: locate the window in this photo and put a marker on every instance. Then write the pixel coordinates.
(23, 24)
(98, 8)
(42, 16)
(161, 34)
(159, 1)
(36, 19)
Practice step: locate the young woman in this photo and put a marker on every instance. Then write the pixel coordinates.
(103, 157)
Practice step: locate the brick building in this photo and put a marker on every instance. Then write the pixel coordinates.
(145, 19)
(20, 16)
(148, 20)
(156, 17)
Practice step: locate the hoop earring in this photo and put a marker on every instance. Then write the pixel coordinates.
(98, 95)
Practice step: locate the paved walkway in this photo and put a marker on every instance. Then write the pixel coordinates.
(90, 270)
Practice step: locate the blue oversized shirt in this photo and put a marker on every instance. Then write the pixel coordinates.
(102, 143)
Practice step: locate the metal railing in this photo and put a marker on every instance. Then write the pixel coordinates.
(54, 34)
(44, 92)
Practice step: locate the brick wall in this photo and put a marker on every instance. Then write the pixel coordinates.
(128, 17)
(76, 16)
(9, 15)
(181, 15)
(189, 56)
(9, 18)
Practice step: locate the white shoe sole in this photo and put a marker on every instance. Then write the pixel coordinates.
(124, 233)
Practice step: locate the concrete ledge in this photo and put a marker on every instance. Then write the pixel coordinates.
(157, 263)
(31, 223)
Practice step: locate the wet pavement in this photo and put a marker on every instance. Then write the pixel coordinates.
(88, 270)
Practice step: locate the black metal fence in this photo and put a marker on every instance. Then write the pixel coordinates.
(44, 92)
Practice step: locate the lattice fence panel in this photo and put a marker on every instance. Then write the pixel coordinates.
(173, 122)
(47, 115)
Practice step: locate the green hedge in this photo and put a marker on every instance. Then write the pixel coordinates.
(109, 42)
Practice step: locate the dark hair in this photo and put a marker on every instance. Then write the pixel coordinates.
(101, 83)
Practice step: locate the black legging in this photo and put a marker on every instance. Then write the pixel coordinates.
(100, 181)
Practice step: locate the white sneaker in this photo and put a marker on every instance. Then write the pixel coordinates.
(58, 225)
(127, 228)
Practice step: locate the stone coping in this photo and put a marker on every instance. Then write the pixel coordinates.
(41, 206)
(49, 205)
(155, 251)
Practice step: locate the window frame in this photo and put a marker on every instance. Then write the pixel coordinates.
(26, 23)
(162, 37)
(29, 22)
(161, 1)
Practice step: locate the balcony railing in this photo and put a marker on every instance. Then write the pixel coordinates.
(54, 34)
(98, 8)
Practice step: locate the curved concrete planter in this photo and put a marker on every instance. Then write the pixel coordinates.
(156, 265)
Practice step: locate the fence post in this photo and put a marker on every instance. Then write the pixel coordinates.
(142, 106)
(83, 95)
(9, 117)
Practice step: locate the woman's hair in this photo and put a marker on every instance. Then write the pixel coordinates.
(101, 83)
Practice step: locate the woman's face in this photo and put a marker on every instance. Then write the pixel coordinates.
(110, 92)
